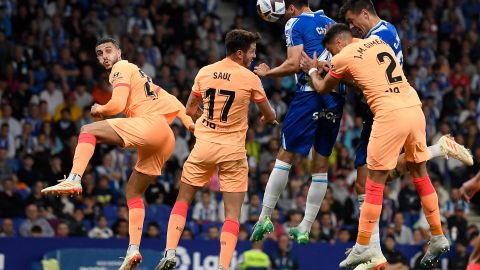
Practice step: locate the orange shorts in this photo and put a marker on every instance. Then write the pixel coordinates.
(205, 157)
(151, 135)
(392, 131)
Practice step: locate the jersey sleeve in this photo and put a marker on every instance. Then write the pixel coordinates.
(339, 65)
(120, 75)
(258, 94)
(196, 88)
(293, 35)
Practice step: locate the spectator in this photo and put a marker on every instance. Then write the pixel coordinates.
(457, 224)
(205, 211)
(101, 230)
(153, 230)
(459, 260)
(82, 97)
(187, 234)
(402, 233)
(27, 228)
(14, 125)
(11, 203)
(455, 201)
(7, 228)
(254, 258)
(282, 258)
(120, 228)
(395, 259)
(344, 236)
(213, 233)
(52, 96)
(62, 230)
(254, 209)
(75, 223)
(7, 141)
(75, 111)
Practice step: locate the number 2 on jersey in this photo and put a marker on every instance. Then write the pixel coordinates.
(146, 87)
(211, 94)
(391, 67)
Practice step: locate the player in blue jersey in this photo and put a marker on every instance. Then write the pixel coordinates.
(311, 120)
(362, 17)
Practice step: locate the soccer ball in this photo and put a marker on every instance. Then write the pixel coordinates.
(271, 10)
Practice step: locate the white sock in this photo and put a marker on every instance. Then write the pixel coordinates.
(275, 186)
(169, 253)
(435, 151)
(315, 196)
(360, 248)
(131, 248)
(74, 178)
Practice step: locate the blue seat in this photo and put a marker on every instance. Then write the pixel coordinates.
(87, 224)
(204, 227)
(110, 211)
(16, 224)
(162, 212)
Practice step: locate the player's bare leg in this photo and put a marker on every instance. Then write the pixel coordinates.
(136, 187)
(176, 224)
(474, 260)
(90, 135)
(276, 185)
(231, 227)
(316, 193)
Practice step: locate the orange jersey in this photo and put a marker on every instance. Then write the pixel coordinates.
(227, 89)
(144, 97)
(372, 64)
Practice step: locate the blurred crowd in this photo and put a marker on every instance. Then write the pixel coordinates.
(49, 78)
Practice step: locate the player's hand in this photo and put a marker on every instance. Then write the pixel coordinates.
(94, 110)
(261, 70)
(274, 122)
(307, 63)
(192, 128)
(323, 66)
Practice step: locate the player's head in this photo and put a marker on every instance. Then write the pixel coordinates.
(108, 52)
(241, 46)
(294, 8)
(359, 14)
(337, 37)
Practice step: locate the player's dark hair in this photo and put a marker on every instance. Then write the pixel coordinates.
(356, 6)
(296, 3)
(334, 31)
(107, 40)
(239, 39)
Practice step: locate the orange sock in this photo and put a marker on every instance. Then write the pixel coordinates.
(228, 241)
(429, 199)
(473, 267)
(176, 224)
(370, 212)
(136, 215)
(83, 152)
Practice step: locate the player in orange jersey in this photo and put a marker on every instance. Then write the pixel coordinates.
(372, 65)
(226, 89)
(149, 111)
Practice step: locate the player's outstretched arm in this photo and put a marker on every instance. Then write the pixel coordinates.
(182, 114)
(309, 66)
(289, 66)
(116, 104)
(268, 113)
(193, 105)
